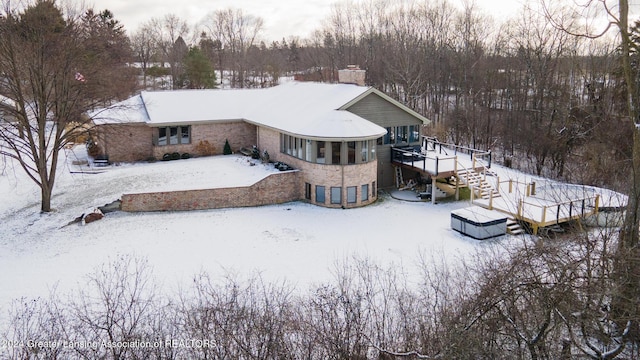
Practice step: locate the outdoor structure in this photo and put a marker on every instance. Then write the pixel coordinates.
(338, 136)
(479, 223)
(525, 203)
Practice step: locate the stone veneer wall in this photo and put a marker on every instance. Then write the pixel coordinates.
(240, 134)
(324, 175)
(276, 188)
(126, 142)
(134, 142)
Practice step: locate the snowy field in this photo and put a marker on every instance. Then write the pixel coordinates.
(297, 242)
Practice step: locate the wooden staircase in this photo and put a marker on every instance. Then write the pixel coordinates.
(514, 227)
(472, 179)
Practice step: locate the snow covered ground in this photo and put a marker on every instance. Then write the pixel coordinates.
(298, 242)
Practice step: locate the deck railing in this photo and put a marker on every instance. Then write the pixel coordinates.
(428, 163)
(430, 143)
(559, 211)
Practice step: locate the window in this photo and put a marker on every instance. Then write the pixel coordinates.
(320, 194)
(174, 135)
(307, 191)
(336, 195)
(352, 195)
(414, 133)
(402, 134)
(309, 151)
(162, 136)
(186, 136)
(320, 155)
(335, 152)
(351, 152)
(364, 192)
(364, 152)
(388, 137)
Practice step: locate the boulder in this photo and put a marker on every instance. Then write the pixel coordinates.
(94, 216)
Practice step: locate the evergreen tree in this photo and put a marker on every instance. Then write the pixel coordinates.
(227, 148)
(199, 73)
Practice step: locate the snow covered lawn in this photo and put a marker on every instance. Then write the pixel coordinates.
(298, 242)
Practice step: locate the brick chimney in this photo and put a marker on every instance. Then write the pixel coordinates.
(352, 75)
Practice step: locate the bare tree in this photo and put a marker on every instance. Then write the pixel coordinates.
(53, 70)
(169, 33)
(142, 43)
(237, 32)
(628, 259)
(116, 308)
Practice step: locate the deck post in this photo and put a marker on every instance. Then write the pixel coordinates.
(491, 200)
(520, 208)
(544, 214)
(597, 203)
(433, 190)
(457, 186)
(510, 186)
(471, 193)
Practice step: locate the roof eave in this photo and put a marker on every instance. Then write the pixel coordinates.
(316, 137)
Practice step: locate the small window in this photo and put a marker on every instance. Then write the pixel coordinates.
(307, 191)
(336, 195)
(364, 157)
(336, 148)
(162, 136)
(320, 155)
(352, 196)
(388, 137)
(414, 133)
(320, 197)
(173, 136)
(364, 192)
(186, 136)
(308, 150)
(351, 152)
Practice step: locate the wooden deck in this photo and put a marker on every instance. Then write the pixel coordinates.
(521, 201)
(518, 200)
(430, 163)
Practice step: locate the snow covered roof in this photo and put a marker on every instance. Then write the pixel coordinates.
(311, 110)
(128, 111)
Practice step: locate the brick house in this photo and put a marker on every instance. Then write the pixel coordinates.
(338, 136)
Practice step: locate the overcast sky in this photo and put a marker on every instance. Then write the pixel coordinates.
(283, 18)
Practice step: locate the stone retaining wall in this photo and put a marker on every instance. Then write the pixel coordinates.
(276, 188)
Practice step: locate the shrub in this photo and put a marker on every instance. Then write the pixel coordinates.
(166, 157)
(92, 148)
(204, 148)
(227, 148)
(255, 153)
(185, 156)
(175, 156)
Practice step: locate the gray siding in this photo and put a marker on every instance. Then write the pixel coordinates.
(385, 114)
(381, 112)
